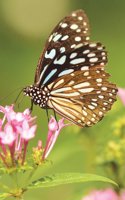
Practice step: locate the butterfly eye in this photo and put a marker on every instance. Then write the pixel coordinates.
(70, 77)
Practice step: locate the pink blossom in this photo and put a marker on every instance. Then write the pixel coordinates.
(121, 94)
(27, 132)
(16, 129)
(122, 195)
(7, 135)
(53, 133)
(107, 194)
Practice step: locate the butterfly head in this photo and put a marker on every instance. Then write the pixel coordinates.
(37, 95)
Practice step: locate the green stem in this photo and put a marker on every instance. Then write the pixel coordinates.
(30, 176)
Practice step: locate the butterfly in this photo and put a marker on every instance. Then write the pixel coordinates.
(70, 76)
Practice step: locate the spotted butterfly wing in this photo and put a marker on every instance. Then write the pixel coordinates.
(70, 33)
(70, 76)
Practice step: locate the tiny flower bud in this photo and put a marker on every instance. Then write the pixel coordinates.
(53, 125)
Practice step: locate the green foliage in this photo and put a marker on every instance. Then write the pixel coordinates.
(66, 178)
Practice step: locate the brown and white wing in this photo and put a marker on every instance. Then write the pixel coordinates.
(83, 97)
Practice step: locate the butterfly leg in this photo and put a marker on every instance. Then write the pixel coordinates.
(31, 107)
(55, 115)
(47, 114)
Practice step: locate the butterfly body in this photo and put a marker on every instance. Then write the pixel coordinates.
(39, 96)
(70, 76)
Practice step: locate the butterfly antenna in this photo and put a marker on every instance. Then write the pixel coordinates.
(13, 91)
(20, 101)
(18, 97)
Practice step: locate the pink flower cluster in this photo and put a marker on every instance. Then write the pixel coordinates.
(16, 129)
(107, 194)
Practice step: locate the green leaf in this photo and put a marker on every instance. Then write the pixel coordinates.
(65, 178)
(4, 196)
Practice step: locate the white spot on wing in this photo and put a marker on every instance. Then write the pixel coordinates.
(41, 75)
(50, 38)
(73, 45)
(58, 83)
(80, 85)
(73, 55)
(64, 25)
(65, 37)
(86, 51)
(80, 18)
(91, 55)
(49, 75)
(93, 59)
(99, 80)
(78, 30)
(84, 112)
(65, 72)
(66, 94)
(61, 61)
(62, 49)
(62, 90)
(86, 73)
(85, 90)
(91, 107)
(77, 61)
(57, 37)
(74, 14)
(79, 45)
(104, 88)
(74, 26)
(77, 39)
(92, 45)
(84, 68)
(51, 54)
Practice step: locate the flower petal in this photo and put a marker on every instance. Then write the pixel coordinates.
(121, 94)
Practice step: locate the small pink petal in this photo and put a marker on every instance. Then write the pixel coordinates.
(8, 128)
(39, 145)
(108, 194)
(6, 108)
(53, 133)
(28, 134)
(27, 112)
(1, 123)
(25, 125)
(19, 117)
(8, 136)
(122, 195)
(121, 94)
(53, 125)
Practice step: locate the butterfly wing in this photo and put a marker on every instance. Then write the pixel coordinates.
(70, 33)
(72, 69)
(83, 97)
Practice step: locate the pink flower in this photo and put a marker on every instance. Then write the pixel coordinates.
(7, 136)
(53, 133)
(16, 129)
(122, 195)
(107, 194)
(27, 132)
(121, 94)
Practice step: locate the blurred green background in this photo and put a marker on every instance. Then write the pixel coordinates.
(24, 28)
